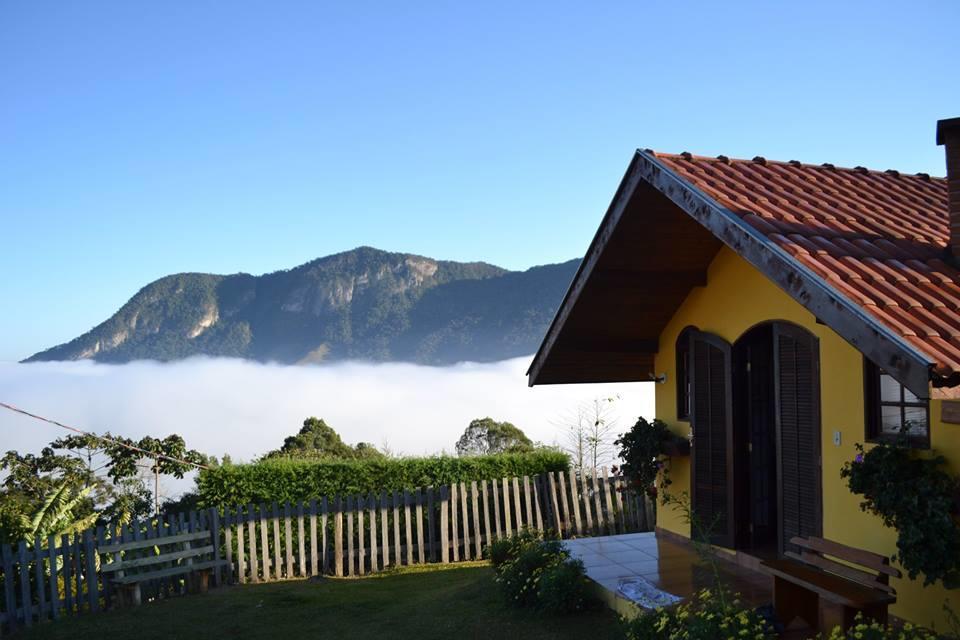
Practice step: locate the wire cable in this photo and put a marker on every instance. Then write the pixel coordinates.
(149, 454)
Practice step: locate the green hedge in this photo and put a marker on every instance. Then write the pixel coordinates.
(282, 480)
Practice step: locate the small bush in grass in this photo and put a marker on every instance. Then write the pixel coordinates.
(563, 587)
(533, 572)
(505, 549)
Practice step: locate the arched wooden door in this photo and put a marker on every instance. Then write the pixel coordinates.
(711, 454)
(797, 382)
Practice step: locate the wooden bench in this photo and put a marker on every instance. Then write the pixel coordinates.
(139, 561)
(857, 580)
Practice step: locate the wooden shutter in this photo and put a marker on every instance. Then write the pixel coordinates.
(712, 439)
(797, 367)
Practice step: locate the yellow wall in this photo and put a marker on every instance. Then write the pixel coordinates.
(736, 298)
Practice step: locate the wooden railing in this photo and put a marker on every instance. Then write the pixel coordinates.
(341, 536)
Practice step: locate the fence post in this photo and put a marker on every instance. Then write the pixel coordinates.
(337, 538)
(54, 589)
(431, 524)
(8, 585)
(444, 546)
(418, 501)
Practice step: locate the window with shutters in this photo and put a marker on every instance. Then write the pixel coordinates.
(892, 410)
(684, 392)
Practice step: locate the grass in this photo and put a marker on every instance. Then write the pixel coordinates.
(424, 603)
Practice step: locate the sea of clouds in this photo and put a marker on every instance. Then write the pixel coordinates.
(243, 408)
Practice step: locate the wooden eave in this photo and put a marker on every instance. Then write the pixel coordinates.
(654, 245)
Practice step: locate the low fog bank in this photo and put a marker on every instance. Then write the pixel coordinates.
(245, 408)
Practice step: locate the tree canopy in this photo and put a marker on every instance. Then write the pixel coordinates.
(485, 436)
(317, 439)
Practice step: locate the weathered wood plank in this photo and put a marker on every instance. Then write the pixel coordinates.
(301, 543)
(361, 543)
(241, 563)
(38, 578)
(517, 505)
(444, 520)
(277, 543)
(508, 528)
(418, 513)
(454, 521)
(395, 503)
(52, 577)
(338, 537)
(537, 497)
(618, 504)
(565, 516)
(324, 509)
(159, 542)
(93, 589)
(10, 596)
(384, 530)
(213, 522)
(554, 506)
(575, 502)
(252, 539)
(67, 575)
(265, 544)
(477, 535)
(528, 504)
(372, 514)
(314, 556)
(25, 597)
(601, 522)
(361, 547)
(408, 526)
(608, 502)
(465, 520)
(432, 524)
(584, 489)
(228, 522)
(487, 531)
(498, 529)
(288, 538)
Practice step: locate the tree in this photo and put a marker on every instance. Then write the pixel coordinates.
(485, 436)
(316, 439)
(57, 514)
(590, 429)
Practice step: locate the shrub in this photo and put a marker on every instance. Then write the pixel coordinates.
(643, 449)
(917, 497)
(519, 578)
(709, 615)
(864, 629)
(293, 480)
(563, 587)
(507, 549)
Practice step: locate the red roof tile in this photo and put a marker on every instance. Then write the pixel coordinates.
(877, 238)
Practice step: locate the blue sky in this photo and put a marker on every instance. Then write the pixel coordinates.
(141, 139)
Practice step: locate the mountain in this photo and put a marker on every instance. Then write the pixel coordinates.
(362, 304)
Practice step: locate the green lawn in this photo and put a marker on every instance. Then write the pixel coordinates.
(438, 602)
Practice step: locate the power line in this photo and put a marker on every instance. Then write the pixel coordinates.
(149, 454)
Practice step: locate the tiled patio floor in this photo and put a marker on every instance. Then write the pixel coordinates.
(669, 566)
(677, 569)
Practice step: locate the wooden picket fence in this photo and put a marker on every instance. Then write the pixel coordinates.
(341, 536)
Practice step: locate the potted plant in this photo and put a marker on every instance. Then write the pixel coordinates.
(645, 451)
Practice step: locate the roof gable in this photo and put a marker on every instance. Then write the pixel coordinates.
(862, 250)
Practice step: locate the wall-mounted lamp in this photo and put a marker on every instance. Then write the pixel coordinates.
(659, 379)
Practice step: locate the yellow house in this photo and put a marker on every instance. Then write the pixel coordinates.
(786, 313)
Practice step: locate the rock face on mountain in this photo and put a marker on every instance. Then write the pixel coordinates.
(362, 304)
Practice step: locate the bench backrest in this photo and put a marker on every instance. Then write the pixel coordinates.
(143, 555)
(863, 567)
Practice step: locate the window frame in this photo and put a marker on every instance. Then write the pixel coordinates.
(683, 350)
(873, 409)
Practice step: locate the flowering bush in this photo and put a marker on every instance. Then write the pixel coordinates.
(863, 629)
(708, 616)
(917, 497)
(539, 573)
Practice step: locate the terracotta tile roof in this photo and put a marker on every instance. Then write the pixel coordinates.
(877, 237)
